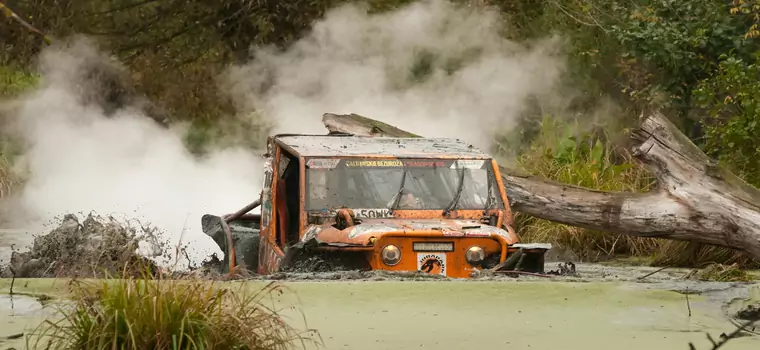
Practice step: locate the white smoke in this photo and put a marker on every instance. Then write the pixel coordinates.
(125, 165)
(354, 62)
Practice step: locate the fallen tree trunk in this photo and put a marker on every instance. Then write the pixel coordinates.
(696, 200)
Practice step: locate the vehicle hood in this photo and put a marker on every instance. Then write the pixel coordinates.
(360, 234)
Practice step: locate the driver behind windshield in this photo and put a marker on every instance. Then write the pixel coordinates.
(408, 201)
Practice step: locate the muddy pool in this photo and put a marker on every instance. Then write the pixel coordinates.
(522, 313)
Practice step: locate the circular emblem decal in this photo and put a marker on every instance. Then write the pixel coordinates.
(432, 263)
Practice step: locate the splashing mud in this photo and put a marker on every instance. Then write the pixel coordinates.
(96, 247)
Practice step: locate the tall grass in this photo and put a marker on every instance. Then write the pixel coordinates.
(8, 180)
(690, 254)
(167, 313)
(568, 152)
(14, 81)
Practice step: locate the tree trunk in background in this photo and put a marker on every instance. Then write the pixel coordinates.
(696, 200)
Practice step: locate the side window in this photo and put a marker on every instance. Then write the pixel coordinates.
(317, 189)
(282, 164)
(288, 198)
(266, 191)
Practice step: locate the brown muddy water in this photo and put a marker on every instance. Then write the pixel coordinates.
(382, 312)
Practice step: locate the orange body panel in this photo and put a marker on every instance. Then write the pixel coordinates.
(453, 264)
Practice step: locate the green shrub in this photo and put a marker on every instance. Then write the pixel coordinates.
(732, 134)
(14, 81)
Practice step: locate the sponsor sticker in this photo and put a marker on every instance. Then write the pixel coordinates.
(432, 263)
(373, 213)
(468, 164)
(450, 232)
(374, 163)
(478, 234)
(328, 163)
(424, 164)
(379, 213)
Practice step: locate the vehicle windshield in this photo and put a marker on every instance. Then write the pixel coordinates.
(428, 184)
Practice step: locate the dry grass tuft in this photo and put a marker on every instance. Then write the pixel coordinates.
(689, 254)
(723, 273)
(163, 313)
(587, 245)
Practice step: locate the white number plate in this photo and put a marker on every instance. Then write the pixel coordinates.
(433, 246)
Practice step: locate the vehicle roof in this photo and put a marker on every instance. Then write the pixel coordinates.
(358, 146)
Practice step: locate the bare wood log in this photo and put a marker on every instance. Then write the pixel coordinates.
(696, 200)
(12, 15)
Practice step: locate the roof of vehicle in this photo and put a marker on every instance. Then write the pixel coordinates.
(361, 146)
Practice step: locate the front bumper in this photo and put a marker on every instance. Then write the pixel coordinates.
(450, 262)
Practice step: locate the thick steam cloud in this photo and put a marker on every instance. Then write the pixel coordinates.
(124, 164)
(431, 68)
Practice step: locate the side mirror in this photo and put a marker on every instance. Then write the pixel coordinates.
(209, 223)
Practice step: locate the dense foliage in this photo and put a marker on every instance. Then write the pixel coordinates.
(698, 60)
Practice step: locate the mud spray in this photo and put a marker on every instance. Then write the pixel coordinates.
(430, 68)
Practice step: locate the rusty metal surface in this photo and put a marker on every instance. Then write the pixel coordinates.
(363, 233)
(357, 146)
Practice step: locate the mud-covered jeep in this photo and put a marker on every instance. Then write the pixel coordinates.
(433, 205)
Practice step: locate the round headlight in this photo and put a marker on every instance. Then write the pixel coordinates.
(475, 255)
(391, 255)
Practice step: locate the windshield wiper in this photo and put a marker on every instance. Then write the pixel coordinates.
(454, 201)
(397, 199)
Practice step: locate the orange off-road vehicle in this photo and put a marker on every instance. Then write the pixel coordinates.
(339, 201)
